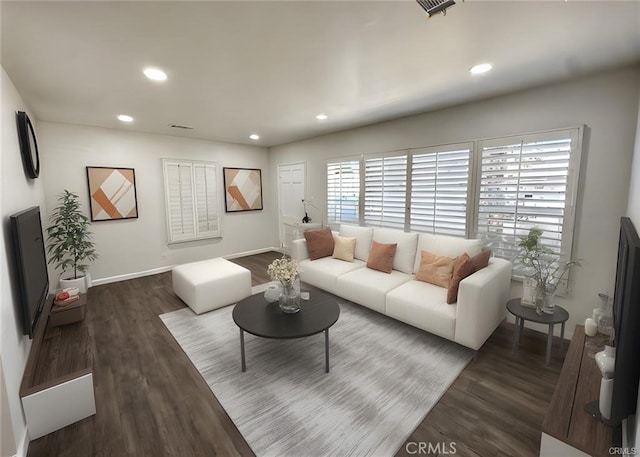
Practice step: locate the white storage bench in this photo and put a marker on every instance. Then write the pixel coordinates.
(211, 284)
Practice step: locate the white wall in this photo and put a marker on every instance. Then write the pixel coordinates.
(17, 192)
(607, 103)
(633, 211)
(138, 245)
(633, 207)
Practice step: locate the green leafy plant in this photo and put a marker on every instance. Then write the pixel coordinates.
(70, 246)
(542, 264)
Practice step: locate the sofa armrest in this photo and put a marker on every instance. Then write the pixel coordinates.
(482, 299)
(299, 250)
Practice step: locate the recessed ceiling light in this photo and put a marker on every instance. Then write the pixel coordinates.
(322, 117)
(125, 118)
(254, 136)
(155, 74)
(481, 68)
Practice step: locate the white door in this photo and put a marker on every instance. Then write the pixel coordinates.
(291, 192)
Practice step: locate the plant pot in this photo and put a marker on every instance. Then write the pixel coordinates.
(80, 283)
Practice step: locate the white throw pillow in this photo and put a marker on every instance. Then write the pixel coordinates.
(405, 251)
(445, 245)
(363, 236)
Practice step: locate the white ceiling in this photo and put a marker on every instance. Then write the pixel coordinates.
(265, 67)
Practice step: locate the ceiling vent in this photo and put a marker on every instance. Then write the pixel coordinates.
(436, 6)
(184, 127)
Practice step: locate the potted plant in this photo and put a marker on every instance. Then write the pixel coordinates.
(544, 269)
(70, 247)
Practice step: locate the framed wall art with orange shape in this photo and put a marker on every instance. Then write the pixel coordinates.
(242, 189)
(112, 193)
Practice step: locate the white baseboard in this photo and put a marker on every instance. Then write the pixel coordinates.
(155, 271)
(137, 274)
(254, 252)
(23, 445)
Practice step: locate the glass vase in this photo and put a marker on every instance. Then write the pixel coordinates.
(547, 302)
(289, 300)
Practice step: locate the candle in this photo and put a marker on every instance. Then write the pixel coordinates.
(590, 327)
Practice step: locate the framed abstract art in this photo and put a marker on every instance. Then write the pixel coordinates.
(112, 193)
(242, 189)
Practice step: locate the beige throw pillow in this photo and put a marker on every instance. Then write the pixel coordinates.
(436, 269)
(344, 247)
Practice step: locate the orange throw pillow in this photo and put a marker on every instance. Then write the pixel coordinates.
(461, 270)
(480, 260)
(436, 269)
(381, 256)
(319, 243)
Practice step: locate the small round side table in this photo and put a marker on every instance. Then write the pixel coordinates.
(524, 313)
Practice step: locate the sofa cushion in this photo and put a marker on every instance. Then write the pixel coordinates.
(381, 256)
(436, 269)
(480, 260)
(363, 236)
(319, 243)
(344, 247)
(445, 245)
(405, 252)
(423, 305)
(461, 270)
(323, 273)
(370, 287)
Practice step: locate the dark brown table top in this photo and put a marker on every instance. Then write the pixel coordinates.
(256, 316)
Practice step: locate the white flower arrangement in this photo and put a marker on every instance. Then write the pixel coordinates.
(283, 270)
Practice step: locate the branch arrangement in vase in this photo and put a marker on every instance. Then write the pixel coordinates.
(542, 264)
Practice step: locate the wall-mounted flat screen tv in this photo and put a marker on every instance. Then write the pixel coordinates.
(32, 278)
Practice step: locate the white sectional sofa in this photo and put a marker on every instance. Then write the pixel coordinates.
(482, 297)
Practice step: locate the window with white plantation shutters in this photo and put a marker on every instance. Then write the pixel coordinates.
(206, 200)
(439, 190)
(192, 199)
(385, 191)
(343, 192)
(528, 182)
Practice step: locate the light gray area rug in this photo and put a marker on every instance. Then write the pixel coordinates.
(385, 377)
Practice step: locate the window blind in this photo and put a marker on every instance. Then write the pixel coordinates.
(192, 200)
(525, 183)
(206, 199)
(439, 190)
(385, 190)
(343, 191)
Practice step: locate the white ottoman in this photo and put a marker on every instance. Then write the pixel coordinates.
(211, 284)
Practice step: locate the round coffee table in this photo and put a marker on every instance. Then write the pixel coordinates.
(524, 313)
(254, 315)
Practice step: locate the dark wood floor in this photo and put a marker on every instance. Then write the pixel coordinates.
(151, 401)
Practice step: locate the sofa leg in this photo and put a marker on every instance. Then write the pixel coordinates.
(475, 356)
